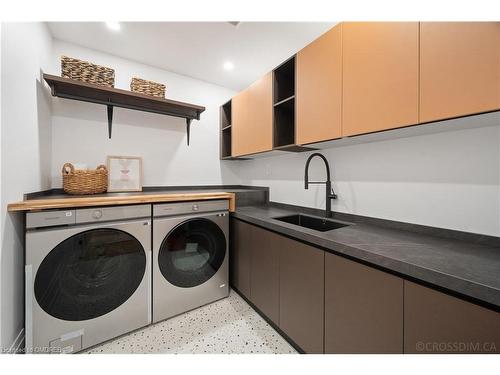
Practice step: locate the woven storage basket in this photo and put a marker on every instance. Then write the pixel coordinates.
(87, 72)
(147, 87)
(90, 181)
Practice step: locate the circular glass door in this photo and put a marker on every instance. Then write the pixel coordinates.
(192, 253)
(90, 274)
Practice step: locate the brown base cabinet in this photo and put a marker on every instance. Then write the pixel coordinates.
(264, 271)
(239, 257)
(302, 294)
(327, 303)
(283, 278)
(438, 323)
(363, 308)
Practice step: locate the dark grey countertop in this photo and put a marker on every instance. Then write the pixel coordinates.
(468, 268)
(245, 195)
(59, 193)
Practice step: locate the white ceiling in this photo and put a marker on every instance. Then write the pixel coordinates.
(198, 49)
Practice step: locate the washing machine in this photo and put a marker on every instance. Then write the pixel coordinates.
(190, 256)
(87, 276)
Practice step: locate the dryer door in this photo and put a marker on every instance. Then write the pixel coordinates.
(90, 274)
(192, 252)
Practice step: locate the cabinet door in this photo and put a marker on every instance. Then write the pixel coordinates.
(240, 256)
(380, 76)
(435, 322)
(319, 89)
(265, 272)
(302, 294)
(363, 308)
(252, 118)
(459, 68)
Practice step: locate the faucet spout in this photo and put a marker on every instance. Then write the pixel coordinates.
(330, 194)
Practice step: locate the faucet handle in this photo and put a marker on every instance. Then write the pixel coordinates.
(333, 195)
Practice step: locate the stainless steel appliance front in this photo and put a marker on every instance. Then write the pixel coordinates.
(190, 256)
(88, 276)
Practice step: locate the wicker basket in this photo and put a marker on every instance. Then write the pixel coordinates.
(87, 72)
(147, 87)
(91, 181)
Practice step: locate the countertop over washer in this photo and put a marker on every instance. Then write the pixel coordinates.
(113, 200)
(56, 198)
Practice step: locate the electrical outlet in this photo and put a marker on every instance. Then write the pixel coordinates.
(268, 169)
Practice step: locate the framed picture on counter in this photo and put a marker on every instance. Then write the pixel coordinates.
(124, 173)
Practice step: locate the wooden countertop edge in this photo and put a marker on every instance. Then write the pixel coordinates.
(44, 204)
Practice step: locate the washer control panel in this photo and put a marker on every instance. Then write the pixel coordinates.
(97, 214)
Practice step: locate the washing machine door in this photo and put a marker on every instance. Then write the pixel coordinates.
(90, 274)
(192, 252)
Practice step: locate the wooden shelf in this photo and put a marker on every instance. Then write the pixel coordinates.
(112, 97)
(284, 100)
(226, 128)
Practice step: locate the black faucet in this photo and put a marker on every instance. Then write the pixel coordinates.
(330, 194)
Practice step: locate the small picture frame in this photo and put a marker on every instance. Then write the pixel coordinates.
(124, 173)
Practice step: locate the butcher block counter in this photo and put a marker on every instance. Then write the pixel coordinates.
(114, 199)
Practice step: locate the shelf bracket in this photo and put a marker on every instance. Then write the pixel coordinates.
(110, 120)
(188, 128)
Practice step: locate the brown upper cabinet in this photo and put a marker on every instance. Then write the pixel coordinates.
(459, 69)
(252, 118)
(319, 89)
(380, 76)
(364, 77)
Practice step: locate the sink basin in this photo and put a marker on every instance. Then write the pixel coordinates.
(311, 222)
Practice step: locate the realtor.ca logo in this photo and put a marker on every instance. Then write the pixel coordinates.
(456, 347)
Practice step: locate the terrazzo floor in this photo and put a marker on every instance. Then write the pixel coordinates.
(226, 326)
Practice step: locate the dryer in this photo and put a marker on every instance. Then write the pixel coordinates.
(190, 256)
(87, 276)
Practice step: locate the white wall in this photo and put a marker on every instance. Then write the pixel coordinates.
(80, 129)
(449, 180)
(25, 154)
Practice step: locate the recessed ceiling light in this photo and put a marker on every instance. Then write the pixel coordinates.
(113, 25)
(228, 65)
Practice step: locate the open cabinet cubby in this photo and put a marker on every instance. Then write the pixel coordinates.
(284, 81)
(284, 104)
(226, 143)
(225, 130)
(284, 124)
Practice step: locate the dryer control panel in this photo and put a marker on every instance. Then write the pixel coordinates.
(183, 208)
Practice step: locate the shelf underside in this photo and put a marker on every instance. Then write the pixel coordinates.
(76, 90)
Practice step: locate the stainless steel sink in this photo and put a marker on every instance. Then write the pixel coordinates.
(312, 222)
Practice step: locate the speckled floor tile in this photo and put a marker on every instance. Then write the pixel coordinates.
(226, 326)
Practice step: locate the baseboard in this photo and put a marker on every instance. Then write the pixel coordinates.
(17, 345)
